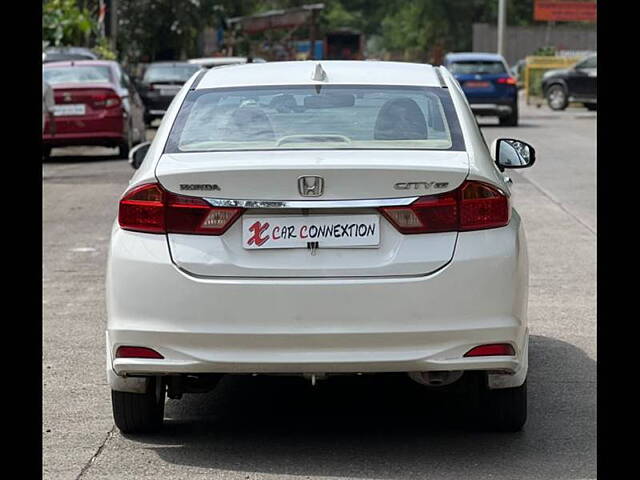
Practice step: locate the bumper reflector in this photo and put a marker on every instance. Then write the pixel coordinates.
(137, 352)
(491, 350)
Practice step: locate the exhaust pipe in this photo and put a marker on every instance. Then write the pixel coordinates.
(435, 379)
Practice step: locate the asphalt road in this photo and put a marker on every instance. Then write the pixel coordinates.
(278, 427)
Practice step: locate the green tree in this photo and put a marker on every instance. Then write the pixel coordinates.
(63, 23)
(151, 30)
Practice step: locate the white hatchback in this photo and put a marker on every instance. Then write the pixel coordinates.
(319, 218)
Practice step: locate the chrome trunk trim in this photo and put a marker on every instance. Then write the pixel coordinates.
(374, 202)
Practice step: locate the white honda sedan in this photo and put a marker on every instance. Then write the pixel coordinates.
(319, 218)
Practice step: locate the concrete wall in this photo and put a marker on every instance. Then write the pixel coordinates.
(522, 41)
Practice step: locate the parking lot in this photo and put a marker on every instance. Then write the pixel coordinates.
(352, 427)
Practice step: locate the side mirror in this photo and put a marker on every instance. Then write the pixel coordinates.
(137, 154)
(512, 153)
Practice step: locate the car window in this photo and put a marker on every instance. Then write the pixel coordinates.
(307, 117)
(77, 74)
(591, 62)
(59, 57)
(476, 67)
(169, 73)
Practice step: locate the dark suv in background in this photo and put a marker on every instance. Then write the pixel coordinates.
(160, 83)
(576, 84)
(487, 84)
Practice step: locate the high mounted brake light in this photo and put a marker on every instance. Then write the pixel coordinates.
(472, 206)
(151, 209)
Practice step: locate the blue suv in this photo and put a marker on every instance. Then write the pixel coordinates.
(485, 80)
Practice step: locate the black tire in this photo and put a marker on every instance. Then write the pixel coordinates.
(557, 97)
(123, 150)
(125, 147)
(512, 119)
(502, 409)
(140, 412)
(46, 153)
(591, 106)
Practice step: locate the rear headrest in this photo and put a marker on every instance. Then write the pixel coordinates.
(249, 122)
(400, 119)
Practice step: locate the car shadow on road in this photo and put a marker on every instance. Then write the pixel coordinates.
(384, 427)
(520, 125)
(82, 154)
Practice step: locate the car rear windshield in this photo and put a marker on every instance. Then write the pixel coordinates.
(169, 73)
(316, 117)
(477, 67)
(77, 74)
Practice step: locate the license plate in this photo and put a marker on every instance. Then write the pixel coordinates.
(73, 109)
(476, 84)
(329, 231)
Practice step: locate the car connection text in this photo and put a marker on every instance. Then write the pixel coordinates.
(292, 232)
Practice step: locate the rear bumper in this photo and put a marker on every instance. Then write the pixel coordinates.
(156, 106)
(499, 107)
(108, 130)
(80, 138)
(385, 324)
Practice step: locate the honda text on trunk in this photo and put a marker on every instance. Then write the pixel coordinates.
(315, 219)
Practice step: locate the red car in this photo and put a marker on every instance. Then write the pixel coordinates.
(95, 104)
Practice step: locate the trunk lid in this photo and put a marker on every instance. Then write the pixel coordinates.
(348, 175)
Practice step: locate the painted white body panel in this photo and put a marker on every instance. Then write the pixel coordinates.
(339, 72)
(417, 303)
(403, 323)
(224, 256)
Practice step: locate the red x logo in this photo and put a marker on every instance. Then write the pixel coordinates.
(258, 229)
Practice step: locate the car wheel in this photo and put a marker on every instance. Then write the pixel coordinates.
(140, 412)
(557, 97)
(125, 147)
(502, 409)
(591, 106)
(512, 119)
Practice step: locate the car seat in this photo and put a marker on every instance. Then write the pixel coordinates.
(400, 119)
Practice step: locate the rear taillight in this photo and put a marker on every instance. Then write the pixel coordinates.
(491, 350)
(482, 206)
(472, 206)
(435, 213)
(194, 215)
(105, 99)
(507, 80)
(149, 208)
(137, 352)
(142, 209)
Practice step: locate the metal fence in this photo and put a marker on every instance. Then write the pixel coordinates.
(520, 42)
(535, 68)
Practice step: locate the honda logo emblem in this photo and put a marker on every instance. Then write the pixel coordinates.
(310, 186)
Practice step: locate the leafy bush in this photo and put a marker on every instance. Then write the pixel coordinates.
(63, 23)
